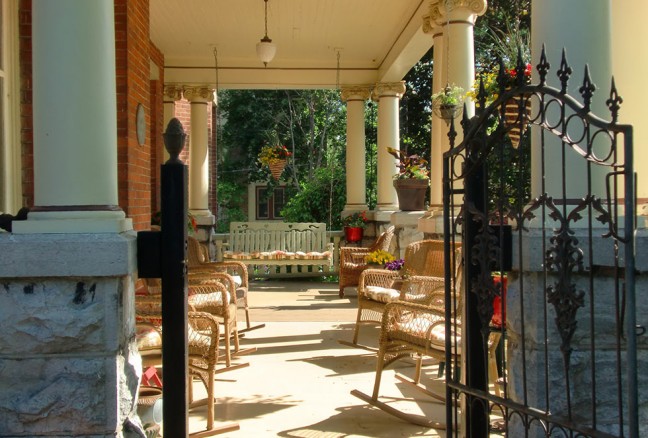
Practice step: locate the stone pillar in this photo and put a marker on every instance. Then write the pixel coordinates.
(200, 98)
(75, 150)
(68, 356)
(388, 95)
(356, 183)
(583, 28)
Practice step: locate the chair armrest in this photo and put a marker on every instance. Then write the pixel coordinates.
(353, 254)
(209, 276)
(230, 267)
(429, 291)
(377, 277)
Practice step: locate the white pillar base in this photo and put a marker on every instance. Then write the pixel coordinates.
(352, 208)
(73, 222)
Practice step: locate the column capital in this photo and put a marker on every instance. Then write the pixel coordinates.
(360, 92)
(393, 89)
(443, 11)
(434, 19)
(200, 93)
(172, 92)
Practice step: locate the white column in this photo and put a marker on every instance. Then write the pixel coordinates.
(199, 97)
(451, 25)
(583, 28)
(388, 95)
(356, 184)
(629, 69)
(439, 129)
(75, 125)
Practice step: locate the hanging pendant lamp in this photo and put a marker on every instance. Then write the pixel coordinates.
(265, 48)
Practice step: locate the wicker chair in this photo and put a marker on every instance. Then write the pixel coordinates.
(233, 274)
(203, 352)
(414, 329)
(424, 272)
(206, 295)
(352, 259)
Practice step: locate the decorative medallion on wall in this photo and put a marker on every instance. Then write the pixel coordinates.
(140, 124)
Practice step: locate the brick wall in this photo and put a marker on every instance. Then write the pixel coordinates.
(157, 125)
(132, 43)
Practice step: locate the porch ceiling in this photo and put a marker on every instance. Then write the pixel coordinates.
(378, 40)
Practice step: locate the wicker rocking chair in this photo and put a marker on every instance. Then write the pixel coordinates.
(352, 259)
(422, 282)
(233, 274)
(203, 353)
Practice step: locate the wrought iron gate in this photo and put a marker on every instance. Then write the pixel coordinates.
(556, 262)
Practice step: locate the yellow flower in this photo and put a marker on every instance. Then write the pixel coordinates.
(379, 257)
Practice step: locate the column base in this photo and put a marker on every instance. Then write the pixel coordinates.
(352, 208)
(73, 222)
(387, 207)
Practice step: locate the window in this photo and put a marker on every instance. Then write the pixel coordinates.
(269, 208)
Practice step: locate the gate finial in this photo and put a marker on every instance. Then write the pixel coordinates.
(174, 139)
(564, 73)
(543, 67)
(587, 89)
(614, 102)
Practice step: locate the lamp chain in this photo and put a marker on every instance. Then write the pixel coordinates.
(266, 18)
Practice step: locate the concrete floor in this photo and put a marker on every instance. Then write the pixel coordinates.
(299, 380)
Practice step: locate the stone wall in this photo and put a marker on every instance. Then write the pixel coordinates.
(535, 334)
(68, 360)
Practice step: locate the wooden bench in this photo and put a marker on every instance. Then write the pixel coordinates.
(276, 248)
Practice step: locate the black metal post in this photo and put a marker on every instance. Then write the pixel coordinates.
(477, 414)
(174, 285)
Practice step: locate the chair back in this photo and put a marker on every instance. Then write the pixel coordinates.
(196, 253)
(425, 257)
(383, 241)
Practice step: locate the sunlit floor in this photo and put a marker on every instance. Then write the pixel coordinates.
(299, 380)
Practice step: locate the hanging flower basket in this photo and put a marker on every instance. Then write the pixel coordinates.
(448, 103)
(516, 118)
(276, 168)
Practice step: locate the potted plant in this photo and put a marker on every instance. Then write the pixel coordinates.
(354, 226)
(411, 181)
(448, 103)
(274, 157)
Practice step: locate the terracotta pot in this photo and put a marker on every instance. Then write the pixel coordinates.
(353, 234)
(411, 193)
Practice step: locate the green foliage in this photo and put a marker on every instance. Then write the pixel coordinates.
(230, 208)
(323, 194)
(416, 108)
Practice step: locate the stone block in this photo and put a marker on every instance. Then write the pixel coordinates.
(47, 316)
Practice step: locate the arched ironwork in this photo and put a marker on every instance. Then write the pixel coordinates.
(568, 337)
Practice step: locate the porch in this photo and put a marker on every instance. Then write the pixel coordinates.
(299, 381)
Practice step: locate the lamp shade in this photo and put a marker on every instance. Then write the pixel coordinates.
(266, 50)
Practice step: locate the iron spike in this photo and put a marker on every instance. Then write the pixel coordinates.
(564, 73)
(543, 66)
(587, 89)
